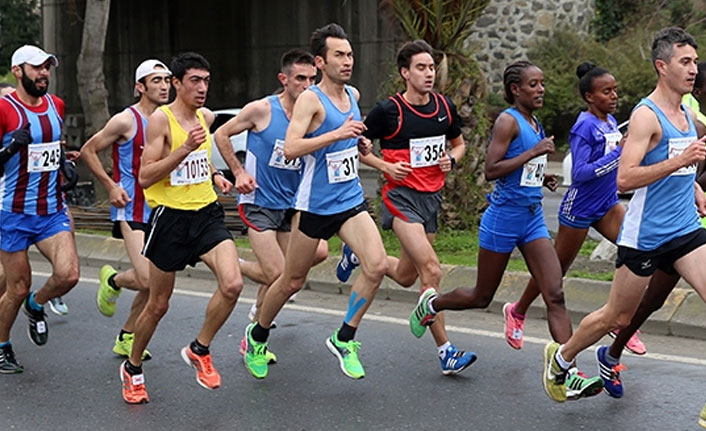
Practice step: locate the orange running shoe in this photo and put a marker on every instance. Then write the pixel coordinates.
(206, 375)
(134, 391)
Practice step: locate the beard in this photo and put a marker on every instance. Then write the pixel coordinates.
(31, 86)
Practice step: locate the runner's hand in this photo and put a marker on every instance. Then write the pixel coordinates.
(20, 138)
(551, 182)
(695, 152)
(245, 183)
(118, 197)
(700, 203)
(350, 129)
(445, 163)
(223, 184)
(365, 145)
(544, 146)
(398, 171)
(197, 136)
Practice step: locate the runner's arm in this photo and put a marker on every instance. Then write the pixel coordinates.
(582, 169)
(157, 158)
(116, 128)
(245, 120)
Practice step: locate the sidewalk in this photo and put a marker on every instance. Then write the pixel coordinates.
(683, 314)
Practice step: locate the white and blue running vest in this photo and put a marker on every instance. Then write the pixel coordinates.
(277, 178)
(665, 209)
(321, 191)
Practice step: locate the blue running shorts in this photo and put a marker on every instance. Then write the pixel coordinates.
(504, 227)
(19, 231)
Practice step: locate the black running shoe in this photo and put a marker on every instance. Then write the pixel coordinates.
(38, 330)
(8, 364)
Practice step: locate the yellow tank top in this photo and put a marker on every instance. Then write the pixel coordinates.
(189, 186)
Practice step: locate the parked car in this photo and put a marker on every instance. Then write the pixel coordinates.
(238, 142)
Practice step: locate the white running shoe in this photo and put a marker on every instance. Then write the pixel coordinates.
(57, 306)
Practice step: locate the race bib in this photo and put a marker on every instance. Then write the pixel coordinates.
(533, 172)
(192, 170)
(676, 147)
(342, 166)
(43, 157)
(277, 159)
(425, 152)
(611, 141)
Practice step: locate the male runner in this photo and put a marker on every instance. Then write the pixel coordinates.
(129, 212)
(31, 202)
(269, 181)
(186, 224)
(661, 229)
(413, 128)
(325, 131)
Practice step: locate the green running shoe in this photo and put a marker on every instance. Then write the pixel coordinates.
(347, 354)
(255, 357)
(702, 417)
(553, 376)
(579, 385)
(124, 347)
(421, 317)
(106, 296)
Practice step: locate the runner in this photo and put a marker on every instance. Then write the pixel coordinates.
(33, 210)
(413, 128)
(516, 160)
(5, 89)
(661, 229)
(268, 182)
(592, 198)
(326, 132)
(186, 224)
(125, 133)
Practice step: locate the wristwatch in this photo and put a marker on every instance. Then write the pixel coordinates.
(453, 161)
(217, 172)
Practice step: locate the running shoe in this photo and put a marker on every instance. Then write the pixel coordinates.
(634, 344)
(106, 296)
(349, 261)
(702, 417)
(514, 328)
(271, 357)
(553, 376)
(609, 373)
(38, 330)
(293, 298)
(347, 354)
(579, 385)
(255, 357)
(57, 306)
(134, 391)
(421, 317)
(8, 363)
(124, 347)
(206, 375)
(454, 361)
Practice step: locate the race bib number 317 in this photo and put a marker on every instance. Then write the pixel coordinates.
(43, 157)
(342, 165)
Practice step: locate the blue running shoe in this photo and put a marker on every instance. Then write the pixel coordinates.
(610, 373)
(453, 361)
(349, 261)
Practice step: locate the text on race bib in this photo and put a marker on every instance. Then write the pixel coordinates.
(611, 141)
(533, 172)
(43, 157)
(277, 159)
(193, 169)
(426, 151)
(676, 147)
(342, 165)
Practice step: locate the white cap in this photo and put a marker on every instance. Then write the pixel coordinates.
(149, 67)
(32, 55)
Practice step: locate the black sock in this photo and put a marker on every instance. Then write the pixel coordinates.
(198, 348)
(131, 369)
(346, 333)
(123, 332)
(259, 333)
(111, 282)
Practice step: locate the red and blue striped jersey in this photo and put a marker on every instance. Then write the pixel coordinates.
(30, 181)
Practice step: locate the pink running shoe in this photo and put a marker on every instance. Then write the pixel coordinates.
(513, 327)
(634, 344)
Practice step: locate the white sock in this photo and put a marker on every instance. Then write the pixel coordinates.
(253, 309)
(563, 363)
(442, 349)
(431, 307)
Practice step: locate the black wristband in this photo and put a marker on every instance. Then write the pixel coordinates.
(217, 172)
(453, 161)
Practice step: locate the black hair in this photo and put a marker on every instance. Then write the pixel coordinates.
(587, 72)
(319, 36)
(700, 75)
(185, 61)
(665, 39)
(513, 75)
(410, 49)
(295, 56)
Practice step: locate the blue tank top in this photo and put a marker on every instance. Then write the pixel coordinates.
(665, 209)
(330, 182)
(277, 177)
(523, 186)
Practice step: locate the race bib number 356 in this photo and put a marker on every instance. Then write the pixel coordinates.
(676, 147)
(43, 157)
(342, 165)
(533, 172)
(192, 170)
(425, 152)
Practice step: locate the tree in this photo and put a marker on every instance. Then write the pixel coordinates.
(445, 25)
(20, 24)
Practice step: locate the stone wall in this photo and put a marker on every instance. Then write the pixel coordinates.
(508, 27)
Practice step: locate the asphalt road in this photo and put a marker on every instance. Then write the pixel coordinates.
(72, 383)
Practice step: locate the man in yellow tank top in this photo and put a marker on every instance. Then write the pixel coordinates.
(187, 223)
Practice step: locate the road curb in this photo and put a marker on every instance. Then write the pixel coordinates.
(683, 314)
